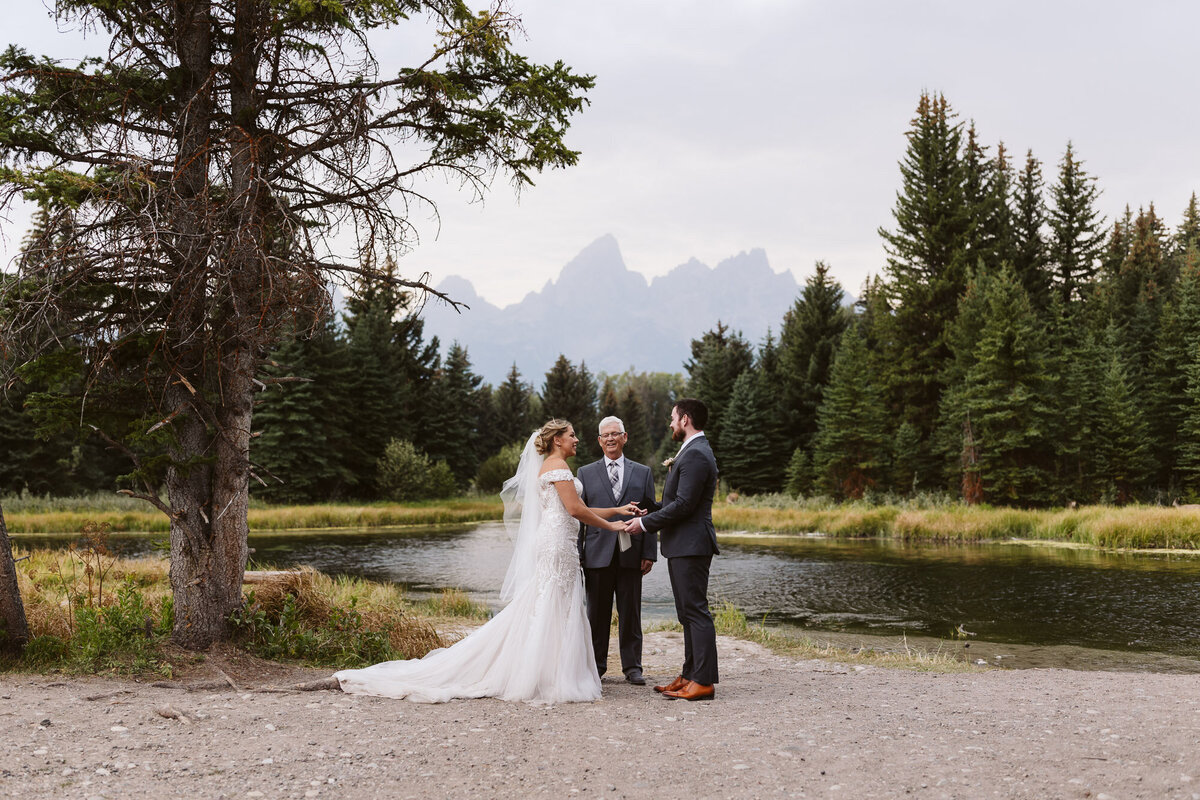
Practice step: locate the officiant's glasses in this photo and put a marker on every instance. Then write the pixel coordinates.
(612, 435)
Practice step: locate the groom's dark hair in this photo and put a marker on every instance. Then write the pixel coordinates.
(693, 409)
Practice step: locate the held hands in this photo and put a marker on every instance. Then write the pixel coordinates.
(629, 510)
(632, 510)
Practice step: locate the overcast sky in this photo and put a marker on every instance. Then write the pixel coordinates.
(719, 127)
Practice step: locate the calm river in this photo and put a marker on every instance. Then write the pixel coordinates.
(1025, 606)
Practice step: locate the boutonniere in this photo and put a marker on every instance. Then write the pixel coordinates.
(668, 462)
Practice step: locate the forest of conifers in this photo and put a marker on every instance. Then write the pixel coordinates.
(1017, 349)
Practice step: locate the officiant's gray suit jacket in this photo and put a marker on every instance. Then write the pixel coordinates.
(685, 517)
(597, 546)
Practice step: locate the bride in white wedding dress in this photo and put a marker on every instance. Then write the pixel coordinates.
(539, 647)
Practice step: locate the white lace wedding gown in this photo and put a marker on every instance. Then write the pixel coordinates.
(537, 649)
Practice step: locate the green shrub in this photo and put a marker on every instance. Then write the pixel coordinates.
(496, 470)
(404, 473)
(440, 483)
(341, 640)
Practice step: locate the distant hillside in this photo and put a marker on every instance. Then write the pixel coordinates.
(600, 312)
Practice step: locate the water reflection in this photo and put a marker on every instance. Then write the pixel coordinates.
(1003, 593)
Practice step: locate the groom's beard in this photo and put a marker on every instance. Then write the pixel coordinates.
(677, 435)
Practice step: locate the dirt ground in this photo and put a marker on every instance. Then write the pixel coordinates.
(778, 728)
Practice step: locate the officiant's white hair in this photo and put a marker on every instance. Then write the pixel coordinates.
(609, 421)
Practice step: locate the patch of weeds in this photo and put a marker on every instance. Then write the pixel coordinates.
(123, 637)
(340, 639)
(452, 603)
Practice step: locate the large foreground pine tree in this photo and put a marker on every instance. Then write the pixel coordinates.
(216, 171)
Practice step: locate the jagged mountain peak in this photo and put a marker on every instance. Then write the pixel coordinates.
(599, 268)
(460, 290)
(652, 330)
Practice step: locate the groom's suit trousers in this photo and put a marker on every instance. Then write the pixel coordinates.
(689, 584)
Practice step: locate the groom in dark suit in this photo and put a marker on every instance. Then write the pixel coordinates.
(615, 563)
(689, 541)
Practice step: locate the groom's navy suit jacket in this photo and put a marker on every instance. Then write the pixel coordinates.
(684, 521)
(596, 545)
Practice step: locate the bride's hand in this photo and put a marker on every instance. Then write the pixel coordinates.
(630, 510)
(616, 526)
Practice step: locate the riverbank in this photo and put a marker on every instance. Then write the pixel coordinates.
(91, 612)
(262, 518)
(780, 727)
(1123, 527)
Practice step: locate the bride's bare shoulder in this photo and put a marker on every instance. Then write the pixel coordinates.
(553, 464)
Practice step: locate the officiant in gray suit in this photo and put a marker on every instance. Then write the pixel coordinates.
(613, 564)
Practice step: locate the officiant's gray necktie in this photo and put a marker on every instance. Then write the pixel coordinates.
(614, 478)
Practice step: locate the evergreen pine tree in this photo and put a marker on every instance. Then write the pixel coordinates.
(996, 234)
(906, 461)
(1187, 236)
(303, 423)
(718, 358)
(1006, 393)
(927, 260)
(609, 404)
(1123, 455)
(374, 383)
(1029, 259)
(639, 445)
(963, 337)
(454, 434)
(513, 401)
(1076, 228)
(850, 451)
(1178, 336)
(1137, 295)
(754, 448)
(490, 439)
(1116, 247)
(389, 375)
(807, 341)
(570, 393)
(1082, 361)
(799, 474)
(745, 464)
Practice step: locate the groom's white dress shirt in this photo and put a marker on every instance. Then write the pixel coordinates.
(686, 442)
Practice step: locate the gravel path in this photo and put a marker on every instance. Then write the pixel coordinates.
(778, 728)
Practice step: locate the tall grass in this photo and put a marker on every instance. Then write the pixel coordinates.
(1132, 527)
(928, 517)
(123, 514)
(90, 611)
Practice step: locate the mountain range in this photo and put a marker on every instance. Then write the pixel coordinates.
(600, 312)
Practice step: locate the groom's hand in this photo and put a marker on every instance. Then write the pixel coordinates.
(647, 565)
(633, 526)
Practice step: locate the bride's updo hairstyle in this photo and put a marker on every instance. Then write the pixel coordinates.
(545, 436)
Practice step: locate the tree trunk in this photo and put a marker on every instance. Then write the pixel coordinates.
(14, 629)
(208, 528)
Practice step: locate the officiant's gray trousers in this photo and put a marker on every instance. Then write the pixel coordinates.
(626, 584)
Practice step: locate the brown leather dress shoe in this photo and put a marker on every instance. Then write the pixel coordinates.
(693, 691)
(674, 685)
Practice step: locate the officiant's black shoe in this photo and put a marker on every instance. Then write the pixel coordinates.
(635, 677)
(674, 685)
(693, 691)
